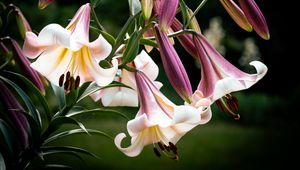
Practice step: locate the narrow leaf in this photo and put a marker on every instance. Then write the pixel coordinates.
(132, 47)
(183, 11)
(7, 137)
(61, 120)
(99, 110)
(32, 110)
(73, 132)
(36, 92)
(148, 42)
(111, 40)
(68, 148)
(57, 166)
(60, 95)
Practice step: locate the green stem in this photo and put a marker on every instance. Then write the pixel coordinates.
(97, 20)
(177, 33)
(195, 12)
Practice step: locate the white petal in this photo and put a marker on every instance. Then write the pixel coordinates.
(134, 149)
(53, 63)
(54, 34)
(120, 96)
(31, 47)
(100, 48)
(102, 76)
(138, 124)
(144, 63)
(186, 114)
(97, 95)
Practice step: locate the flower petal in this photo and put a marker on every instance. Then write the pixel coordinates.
(144, 63)
(31, 47)
(53, 63)
(54, 34)
(100, 48)
(134, 149)
(120, 96)
(102, 76)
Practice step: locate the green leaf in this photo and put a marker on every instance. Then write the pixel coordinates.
(83, 88)
(98, 110)
(111, 40)
(148, 42)
(60, 95)
(61, 120)
(134, 6)
(93, 87)
(2, 163)
(32, 110)
(68, 148)
(73, 132)
(183, 11)
(71, 97)
(132, 47)
(36, 92)
(6, 138)
(105, 64)
(95, 3)
(71, 153)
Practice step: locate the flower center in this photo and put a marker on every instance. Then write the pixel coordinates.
(69, 82)
(231, 104)
(160, 147)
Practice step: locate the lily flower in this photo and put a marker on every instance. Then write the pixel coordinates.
(165, 11)
(147, 6)
(255, 17)
(123, 96)
(218, 76)
(173, 66)
(236, 14)
(158, 121)
(67, 53)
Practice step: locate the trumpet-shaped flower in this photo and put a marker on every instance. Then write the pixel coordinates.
(165, 11)
(219, 77)
(123, 96)
(67, 53)
(173, 66)
(157, 121)
(255, 17)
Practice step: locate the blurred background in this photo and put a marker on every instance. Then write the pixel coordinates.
(266, 135)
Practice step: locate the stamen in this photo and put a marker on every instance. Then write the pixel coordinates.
(61, 80)
(220, 106)
(157, 153)
(68, 76)
(77, 82)
(234, 115)
(66, 85)
(167, 148)
(72, 83)
(161, 146)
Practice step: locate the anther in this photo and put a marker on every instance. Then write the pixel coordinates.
(157, 153)
(61, 80)
(77, 81)
(161, 146)
(72, 83)
(172, 146)
(167, 148)
(68, 76)
(220, 106)
(66, 85)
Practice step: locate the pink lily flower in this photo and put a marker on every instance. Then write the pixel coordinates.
(255, 17)
(173, 66)
(123, 96)
(165, 11)
(158, 121)
(67, 53)
(219, 77)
